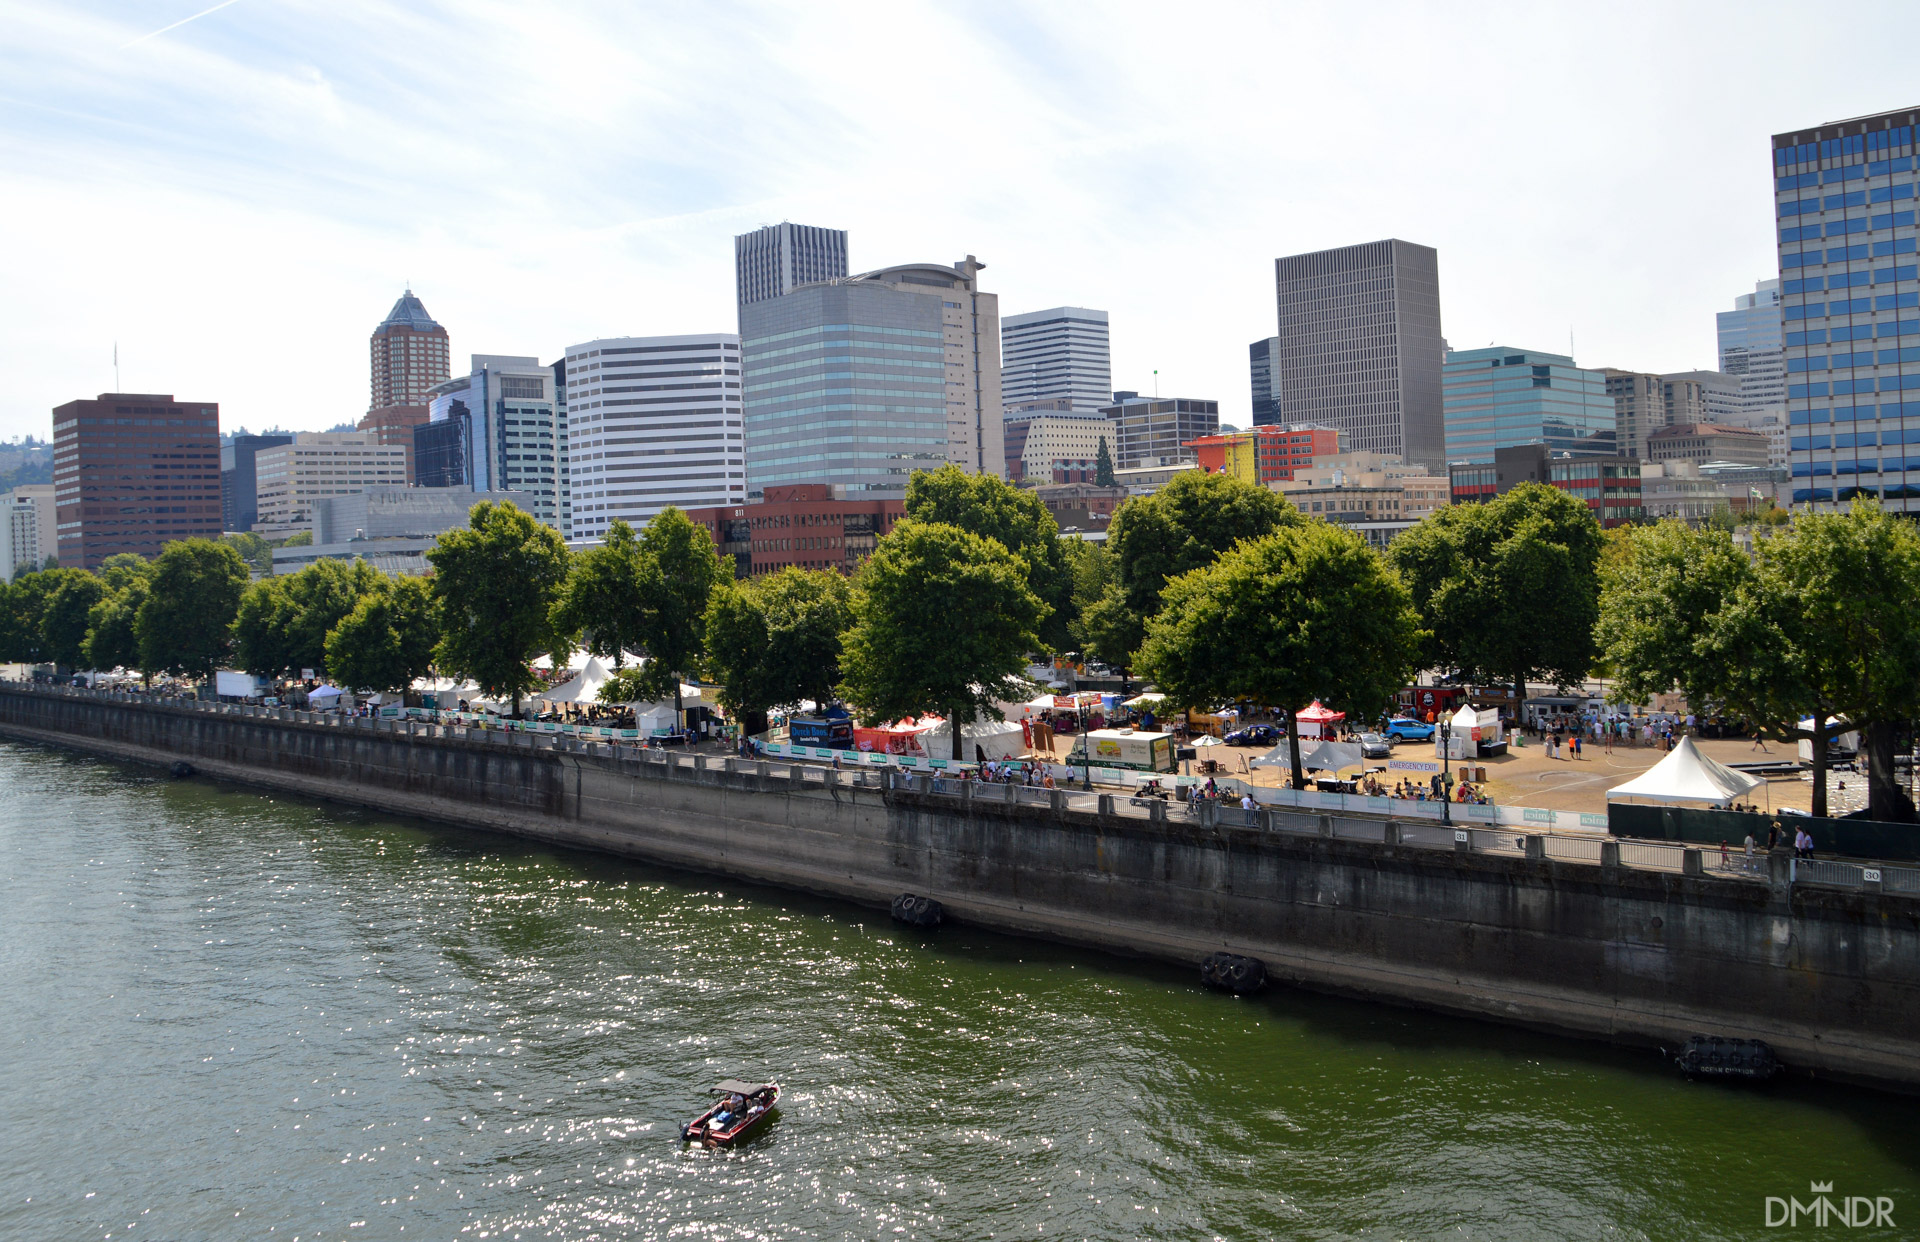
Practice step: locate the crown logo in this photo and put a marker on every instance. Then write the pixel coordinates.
(1822, 1188)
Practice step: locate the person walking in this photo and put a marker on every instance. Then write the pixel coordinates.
(1759, 743)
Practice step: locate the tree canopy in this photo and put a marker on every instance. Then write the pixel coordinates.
(63, 626)
(988, 506)
(1508, 590)
(1180, 528)
(606, 600)
(775, 641)
(1309, 611)
(944, 620)
(681, 571)
(1103, 465)
(387, 640)
(113, 639)
(496, 583)
(184, 625)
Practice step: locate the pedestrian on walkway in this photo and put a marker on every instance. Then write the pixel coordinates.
(1759, 743)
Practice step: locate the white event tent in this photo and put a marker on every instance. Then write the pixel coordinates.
(583, 687)
(1686, 775)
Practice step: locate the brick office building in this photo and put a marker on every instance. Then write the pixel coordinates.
(133, 472)
(408, 356)
(811, 525)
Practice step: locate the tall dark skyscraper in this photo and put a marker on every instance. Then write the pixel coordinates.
(1263, 362)
(134, 472)
(773, 261)
(1360, 347)
(1850, 308)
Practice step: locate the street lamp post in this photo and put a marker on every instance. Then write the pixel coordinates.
(1446, 770)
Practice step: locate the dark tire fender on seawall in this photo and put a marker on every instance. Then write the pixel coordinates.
(1230, 972)
(180, 769)
(918, 911)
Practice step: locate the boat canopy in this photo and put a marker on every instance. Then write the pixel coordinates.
(733, 1086)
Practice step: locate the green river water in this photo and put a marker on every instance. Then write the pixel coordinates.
(228, 1015)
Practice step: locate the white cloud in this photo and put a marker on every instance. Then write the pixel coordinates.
(238, 201)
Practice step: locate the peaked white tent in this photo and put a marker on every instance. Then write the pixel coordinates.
(1686, 775)
(1314, 756)
(583, 687)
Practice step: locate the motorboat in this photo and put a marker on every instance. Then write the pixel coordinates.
(740, 1111)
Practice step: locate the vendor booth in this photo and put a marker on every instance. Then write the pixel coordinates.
(1471, 734)
(1317, 720)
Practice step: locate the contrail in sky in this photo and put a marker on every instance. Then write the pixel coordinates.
(183, 21)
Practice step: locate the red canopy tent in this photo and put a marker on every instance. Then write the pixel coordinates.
(1317, 720)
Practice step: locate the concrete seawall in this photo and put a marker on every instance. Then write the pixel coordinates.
(1831, 978)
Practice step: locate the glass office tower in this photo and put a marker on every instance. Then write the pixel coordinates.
(1500, 397)
(1844, 207)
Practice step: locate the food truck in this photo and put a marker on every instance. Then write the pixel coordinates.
(1132, 749)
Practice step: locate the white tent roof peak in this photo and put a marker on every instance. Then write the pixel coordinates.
(1686, 775)
(583, 687)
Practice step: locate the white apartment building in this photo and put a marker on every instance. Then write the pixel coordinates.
(22, 545)
(28, 537)
(1059, 353)
(654, 421)
(288, 477)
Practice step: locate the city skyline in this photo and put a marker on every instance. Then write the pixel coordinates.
(259, 152)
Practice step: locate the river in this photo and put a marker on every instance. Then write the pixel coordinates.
(230, 1015)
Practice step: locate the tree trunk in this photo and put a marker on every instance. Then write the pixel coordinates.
(1886, 801)
(1820, 764)
(679, 711)
(953, 719)
(1519, 697)
(1293, 751)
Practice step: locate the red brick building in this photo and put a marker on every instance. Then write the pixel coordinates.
(133, 472)
(804, 525)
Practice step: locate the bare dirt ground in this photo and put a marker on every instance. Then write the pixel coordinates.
(1524, 776)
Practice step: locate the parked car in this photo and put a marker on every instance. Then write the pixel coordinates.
(1254, 735)
(1407, 729)
(1375, 746)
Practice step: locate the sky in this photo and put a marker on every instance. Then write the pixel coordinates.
(234, 196)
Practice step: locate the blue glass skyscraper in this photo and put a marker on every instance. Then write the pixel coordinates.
(1844, 205)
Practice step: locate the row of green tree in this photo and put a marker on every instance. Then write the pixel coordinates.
(1217, 590)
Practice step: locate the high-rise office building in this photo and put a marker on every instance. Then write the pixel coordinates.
(239, 507)
(654, 421)
(409, 355)
(1499, 397)
(1159, 431)
(1753, 350)
(133, 472)
(1850, 287)
(774, 260)
(1360, 347)
(1263, 361)
(860, 382)
(1060, 353)
(507, 435)
(288, 477)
